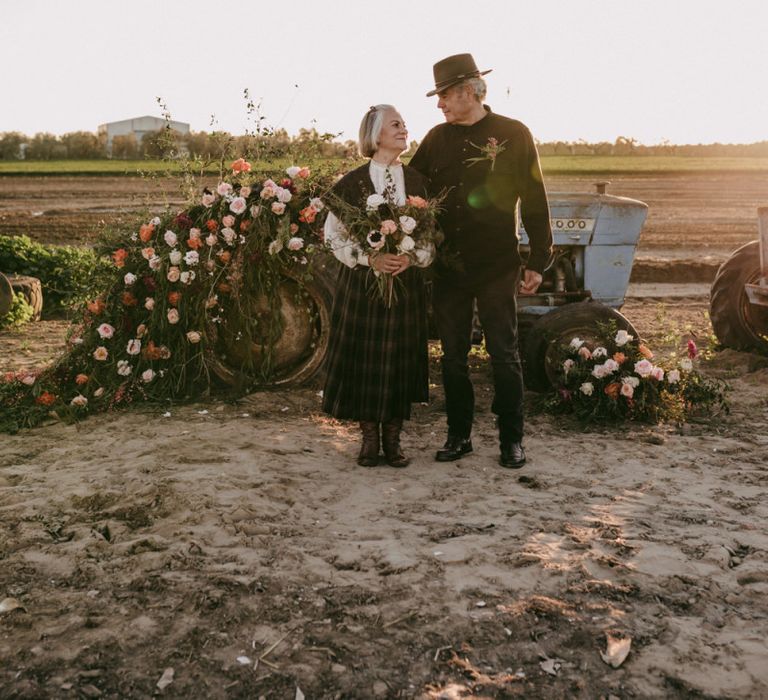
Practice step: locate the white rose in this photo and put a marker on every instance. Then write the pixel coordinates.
(598, 371)
(175, 257)
(99, 392)
(124, 368)
(184, 277)
(293, 171)
(283, 195)
(407, 244)
(173, 274)
(600, 352)
(316, 203)
(147, 376)
(275, 247)
(192, 257)
(211, 240)
(155, 221)
(173, 316)
(673, 376)
(407, 223)
(170, 238)
(208, 198)
(278, 208)
(295, 243)
(79, 401)
(686, 364)
(29, 379)
(149, 303)
(155, 263)
(134, 347)
(568, 365)
(229, 235)
(129, 279)
(193, 337)
(576, 343)
(587, 388)
(634, 382)
(374, 201)
(610, 366)
(622, 338)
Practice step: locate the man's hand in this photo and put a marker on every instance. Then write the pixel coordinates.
(530, 282)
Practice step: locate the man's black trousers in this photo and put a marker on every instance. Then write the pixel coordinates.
(452, 304)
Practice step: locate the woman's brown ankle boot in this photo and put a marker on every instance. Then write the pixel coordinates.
(390, 436)
(369, 450)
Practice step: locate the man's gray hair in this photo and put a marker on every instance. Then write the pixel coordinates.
(478, 87)
(370, 130)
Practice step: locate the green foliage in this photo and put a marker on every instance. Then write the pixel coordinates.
(19, 314)
(68, 274)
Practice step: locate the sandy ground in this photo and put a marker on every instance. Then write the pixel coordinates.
(240, 546)
(235, 550)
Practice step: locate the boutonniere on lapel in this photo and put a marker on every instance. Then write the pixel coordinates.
(490, 151)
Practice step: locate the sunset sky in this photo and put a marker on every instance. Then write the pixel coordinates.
(689, 71)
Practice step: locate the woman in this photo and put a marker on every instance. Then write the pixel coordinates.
(377, 356)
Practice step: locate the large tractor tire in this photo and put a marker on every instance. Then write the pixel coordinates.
(6, 295)
(737, 323)
(32, 290)
(299, 353)
(546, 336)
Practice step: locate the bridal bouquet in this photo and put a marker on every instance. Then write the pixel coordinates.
(382, 226)
(617, 378)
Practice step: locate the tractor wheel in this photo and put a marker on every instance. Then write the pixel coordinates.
(6, 295)
(547, 335)
(300, 351)
(32, 290)
(737, 323)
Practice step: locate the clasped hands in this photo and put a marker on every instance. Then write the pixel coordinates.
(389, 263)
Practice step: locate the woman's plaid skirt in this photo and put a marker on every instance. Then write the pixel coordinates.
(377, 362)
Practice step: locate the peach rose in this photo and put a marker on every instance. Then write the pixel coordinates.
(145, 232)
(418, 202)
(388, 227)
(241, 166)
(613, 390)
(81, 379)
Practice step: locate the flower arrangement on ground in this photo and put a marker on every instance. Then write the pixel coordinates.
(386, 227)
(178, 283)
(620, 379)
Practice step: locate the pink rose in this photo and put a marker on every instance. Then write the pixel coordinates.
(211, 240)
(245, 191)
(303, 173)
(278, 208)
(657, 373)
(105, 330)
(100, 353)
(268, 192)
(627, 391)
(584, 353)
(207, 199)
(173, 316)
(238, 205)
(173, 274)
(388, 227)
(228, 220)
(643, 368)
(224, 189)
(295, 243)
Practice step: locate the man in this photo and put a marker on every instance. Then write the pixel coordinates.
(487, 164)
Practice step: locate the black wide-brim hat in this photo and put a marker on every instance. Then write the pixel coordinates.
(453, 70)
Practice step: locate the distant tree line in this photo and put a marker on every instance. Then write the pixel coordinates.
(85, 145)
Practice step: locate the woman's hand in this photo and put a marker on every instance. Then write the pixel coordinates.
(389, 263)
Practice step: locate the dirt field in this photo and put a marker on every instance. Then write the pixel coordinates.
(240, 546)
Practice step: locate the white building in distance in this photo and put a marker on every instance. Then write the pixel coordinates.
(138, 127)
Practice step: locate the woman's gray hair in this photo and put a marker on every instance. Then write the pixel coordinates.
(370, 130)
